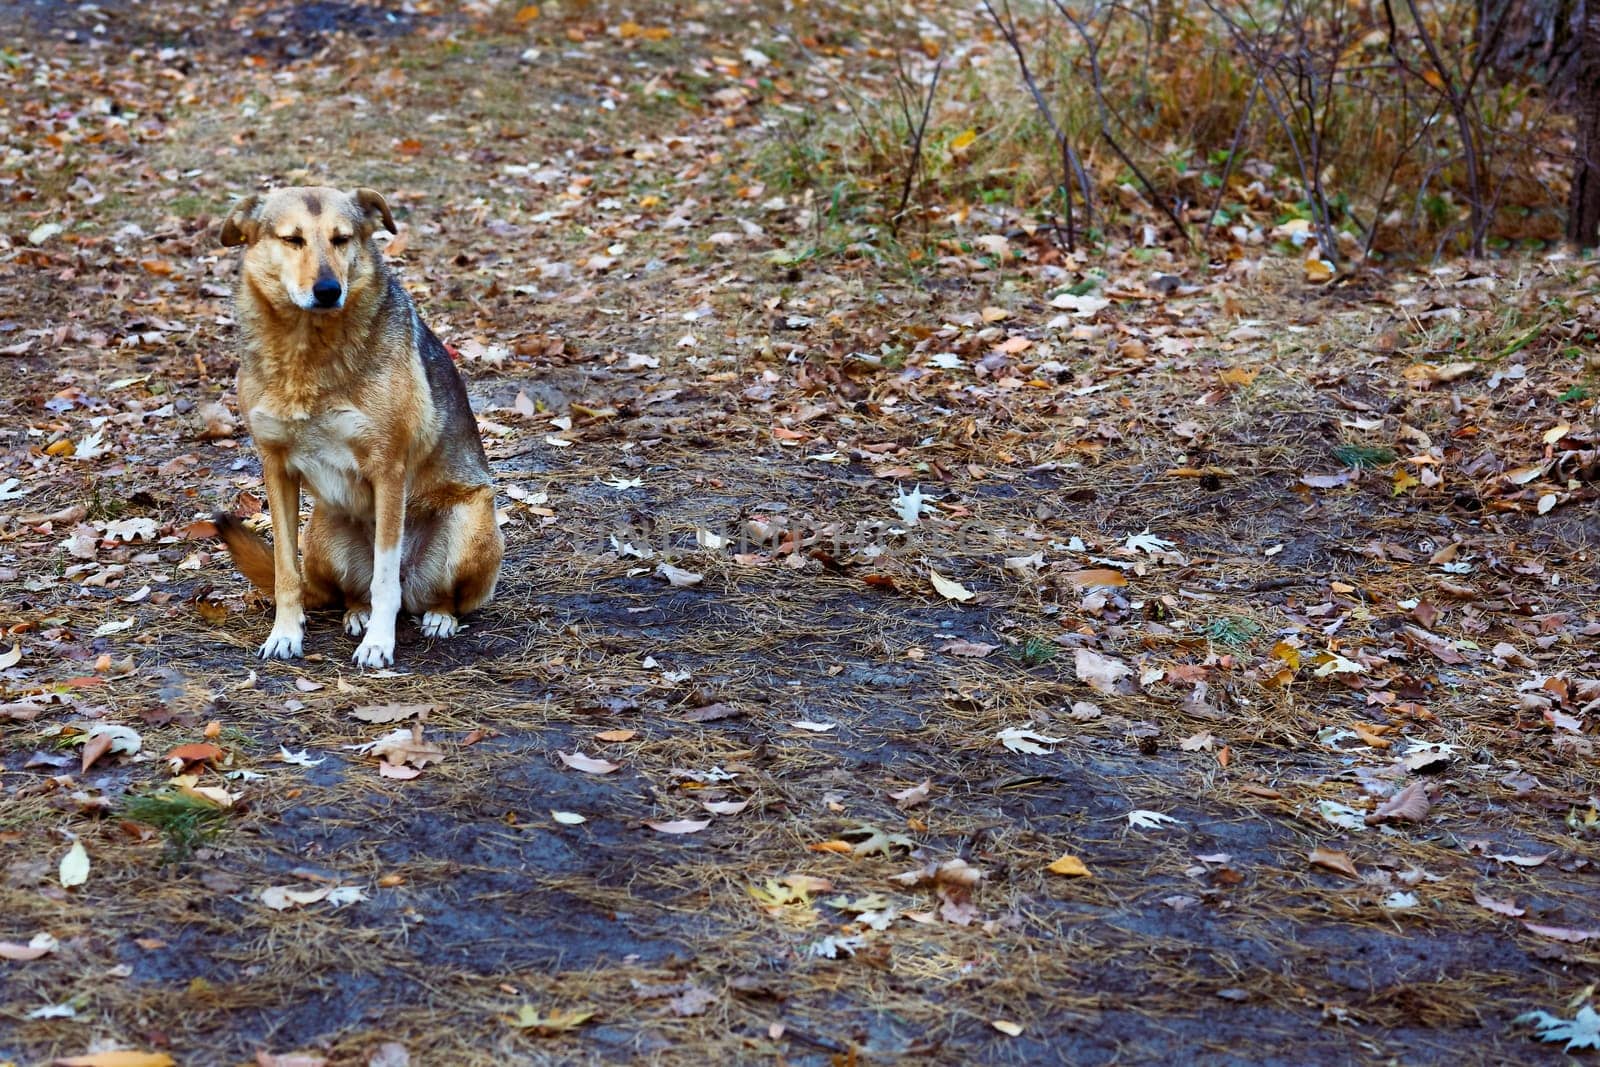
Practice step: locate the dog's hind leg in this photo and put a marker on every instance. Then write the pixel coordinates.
(454, 571)
(338, 567)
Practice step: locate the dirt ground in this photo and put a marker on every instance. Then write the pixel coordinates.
(1229, 567)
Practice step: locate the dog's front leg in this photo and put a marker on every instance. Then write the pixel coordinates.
(289, 616)
(389, 508)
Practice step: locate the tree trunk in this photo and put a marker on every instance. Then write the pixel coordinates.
(1583, 208)
(1535, 39)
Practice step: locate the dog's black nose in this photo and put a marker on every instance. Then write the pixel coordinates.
(326, 293)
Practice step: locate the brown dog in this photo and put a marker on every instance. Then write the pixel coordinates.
(351, 397)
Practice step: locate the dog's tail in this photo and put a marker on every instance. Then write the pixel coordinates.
(251, 554)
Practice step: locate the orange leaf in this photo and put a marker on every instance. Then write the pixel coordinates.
(1098, 577)
(616, 735)
(198, 752)
(528, 14)
(831, 846)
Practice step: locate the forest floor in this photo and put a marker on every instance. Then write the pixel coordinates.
(992, 654)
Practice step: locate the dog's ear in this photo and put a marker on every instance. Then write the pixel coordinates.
(241, 225)
(375, 207)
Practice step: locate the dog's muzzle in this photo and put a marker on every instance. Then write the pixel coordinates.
(326, 293)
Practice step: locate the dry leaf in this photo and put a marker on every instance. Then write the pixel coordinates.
(41, 944)
(616, 735)
(1007, 1027)
(378, 714)
(1499, 907)
(1095, 579)
(917, 794)
(74, 867)
(1334, 861)
(679, 826)
(948, 589)
(588, 764)
(1070, 866)
(677, 576)
(1561, 933)
(1103, 674)
(1408, 805)
(121, 1058)
(568, 818)
(724, 807)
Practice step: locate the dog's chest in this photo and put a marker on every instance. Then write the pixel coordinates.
(321, 449)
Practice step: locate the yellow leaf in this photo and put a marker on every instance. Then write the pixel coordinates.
(528, 14)
(948, 589)
(963, 140)
(1069, 865)
(1556, 433)
(62, 447)
(1288, 653)
(1318, 270)
(529, 1018)
(1403, 481)
(122, 1058)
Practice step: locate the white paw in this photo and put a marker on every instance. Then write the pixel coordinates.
(286, 644)
(355, 621)
(439, 624)
(375, 652)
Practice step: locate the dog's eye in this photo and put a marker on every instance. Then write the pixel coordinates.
(293, 241)
(341, 240)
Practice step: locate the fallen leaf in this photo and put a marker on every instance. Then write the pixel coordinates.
(948, 589)
(968, 649)
(41, 944)
(197, 752)
(1408, 805)
(711, 713)
(616, 735)
(1334, 861)
(1070, 866)
(568, 818)
(677, 576)
(692, 1001)
(588, 764)
(378, 714)
(1095, 579)
(1499, 907)
(1103, 674)
(74, 867)
(1021, 739)
(1581, 1031)
(121, 1058)
(679, 826)
(1007, 1027)
(725, 807)
(558, 1021)
(917, 794)
(1561, 933)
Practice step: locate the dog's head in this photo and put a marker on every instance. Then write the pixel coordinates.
(309, 248)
